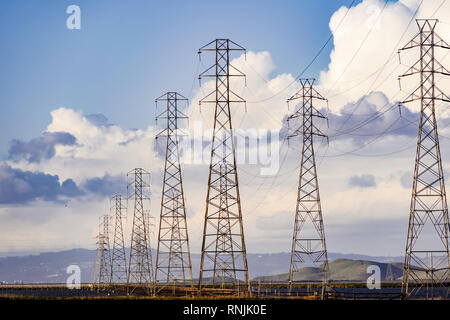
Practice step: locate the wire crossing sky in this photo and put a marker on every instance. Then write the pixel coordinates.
(77, 112)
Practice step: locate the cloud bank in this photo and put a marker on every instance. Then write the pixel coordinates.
(85, 158)
(40, 148)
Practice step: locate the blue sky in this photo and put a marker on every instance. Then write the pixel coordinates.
(129, 52)
(91, 88)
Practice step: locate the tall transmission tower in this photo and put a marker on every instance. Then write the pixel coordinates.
(103, 265)
(118, 256)
(173, 258)
(223, 258)
(140, 268)
(427, 259)
(308, 242)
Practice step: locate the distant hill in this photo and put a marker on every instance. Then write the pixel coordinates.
(341, 270)
(47, 267)
(278, 263)
(51, 267)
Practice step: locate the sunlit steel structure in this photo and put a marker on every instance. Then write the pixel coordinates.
(427, 259)
(173, 259)
(223, 255)
(308, 241)
(140, 268)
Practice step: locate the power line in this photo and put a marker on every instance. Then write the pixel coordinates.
(311, 62)
(439, 7)
(359, 48)
(393, 51)
(360, 81)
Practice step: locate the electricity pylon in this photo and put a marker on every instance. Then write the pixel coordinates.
(427, 259)
(223, 259)
(100, 270)
(103, 265)
(389, 274)
(308, 242)
(118, 256)
(140, 268)
(173, 259)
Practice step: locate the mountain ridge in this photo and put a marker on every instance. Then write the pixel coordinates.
(50, 267)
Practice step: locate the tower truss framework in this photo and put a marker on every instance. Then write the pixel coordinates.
(427, 259)
(140, 268)
(308, 242)
(118, 255)
(103, 264)
(223, 256)
(173, 259)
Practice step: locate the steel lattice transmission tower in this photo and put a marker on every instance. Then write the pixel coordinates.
(118, 256)
(103, 265)
(223, 258)
(173, 259)
(389, 274)
(140, 268)
(427, 258)
(308, 243)
(100, 271)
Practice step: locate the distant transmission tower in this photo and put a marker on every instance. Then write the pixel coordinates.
(173, 259)
(100, 270)
(223, 256)
(427, 259)
(308, 243)
(140, 269)
(389, 273)
(103, 265)
(118, 256)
